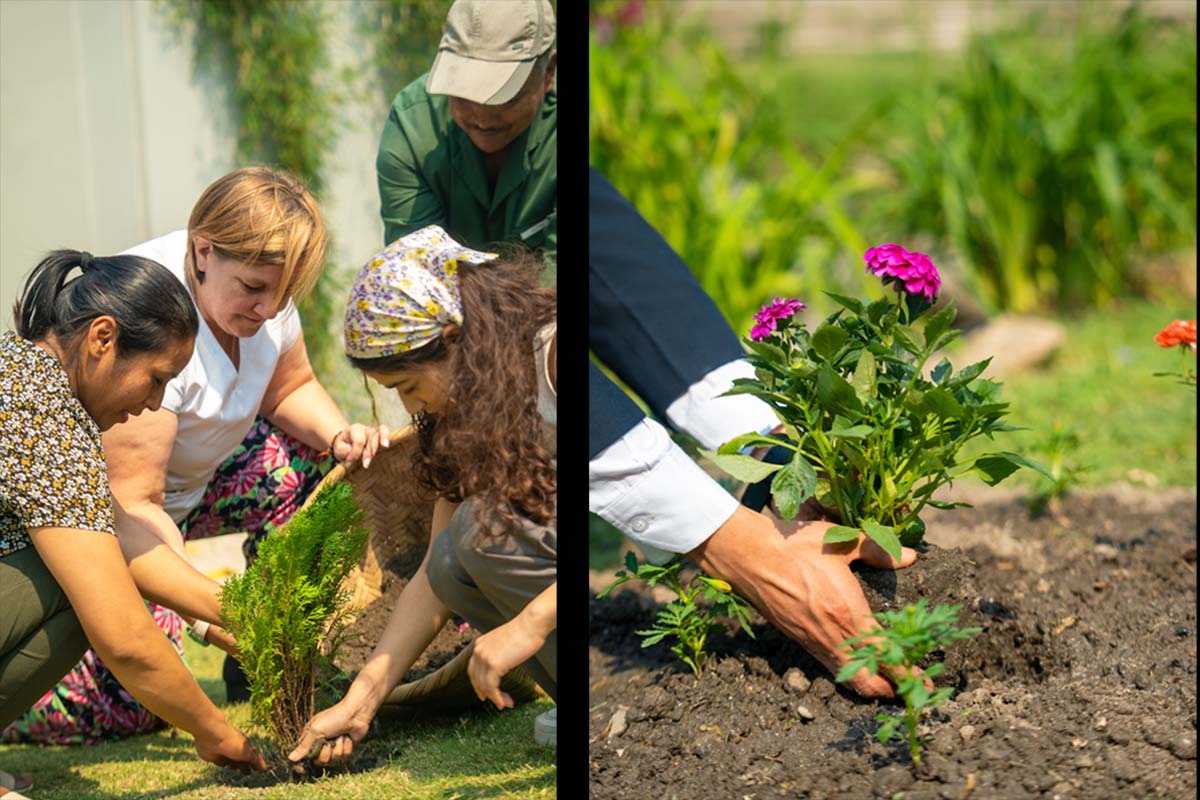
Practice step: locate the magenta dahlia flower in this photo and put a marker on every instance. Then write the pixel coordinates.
(914, 272)
(771, 313)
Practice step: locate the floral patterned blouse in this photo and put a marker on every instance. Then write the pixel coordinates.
(52, 468)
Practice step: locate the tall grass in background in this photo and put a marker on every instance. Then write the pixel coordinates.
(698, 150)
(1051, 165)
(1048, 164)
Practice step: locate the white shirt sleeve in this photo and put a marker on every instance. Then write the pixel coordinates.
(289, 329)
(714, 420)
(648, 488)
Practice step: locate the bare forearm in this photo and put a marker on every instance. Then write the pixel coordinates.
(153, 548)
(540, 617)
(309, 414)
(415, 621)
(149, 668)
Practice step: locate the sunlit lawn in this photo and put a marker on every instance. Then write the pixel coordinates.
(482, 754)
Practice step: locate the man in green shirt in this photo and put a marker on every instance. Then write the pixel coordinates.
(472, 146)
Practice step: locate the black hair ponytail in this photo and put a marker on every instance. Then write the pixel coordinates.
(152, 308)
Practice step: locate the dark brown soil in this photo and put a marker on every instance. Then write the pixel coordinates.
(1082, 685)
(368, 627)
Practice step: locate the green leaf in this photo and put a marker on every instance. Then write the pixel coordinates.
(993, 468)
(748, 440)
(840, 533)
(968, 374)
(944, 505)
(744, 468)
(794, 484)
(843, 428)
(938, 324)
(941, 403)
(907, 338)
(883, 536)
(877, 310)
(631, 562)
(849, 302)
(864, 381)
(941, 371)
(833, 393)
(771, 353)
(828, 340)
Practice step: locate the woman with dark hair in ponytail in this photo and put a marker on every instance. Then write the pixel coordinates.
(469, 340)
(90, 350)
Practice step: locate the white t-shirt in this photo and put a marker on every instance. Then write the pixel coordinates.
(215, 402)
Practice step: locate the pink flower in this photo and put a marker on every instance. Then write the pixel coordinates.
(274, 455)
(778, 309)
(289, 483)
(914, 272)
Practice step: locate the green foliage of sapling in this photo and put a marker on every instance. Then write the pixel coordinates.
(908, 635)
(684, 619)
(289, 612)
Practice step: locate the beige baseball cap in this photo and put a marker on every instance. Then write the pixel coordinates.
(488, 48)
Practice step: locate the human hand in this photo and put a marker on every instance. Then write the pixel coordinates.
(231, 749)
(359, 442)
(497, 652)
(803, 586)
(330, 736)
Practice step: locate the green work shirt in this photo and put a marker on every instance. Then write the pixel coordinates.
(430, 173)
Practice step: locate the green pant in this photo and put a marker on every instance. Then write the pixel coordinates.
(40, 636)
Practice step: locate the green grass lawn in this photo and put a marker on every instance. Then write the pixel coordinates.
(1132, 427)
(480, 754)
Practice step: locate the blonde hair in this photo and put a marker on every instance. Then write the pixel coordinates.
(258, 215)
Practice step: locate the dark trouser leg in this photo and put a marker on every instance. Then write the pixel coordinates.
(648, 318)
(488, 581)
(40, 636)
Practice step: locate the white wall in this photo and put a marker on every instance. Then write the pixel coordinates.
(108, 136)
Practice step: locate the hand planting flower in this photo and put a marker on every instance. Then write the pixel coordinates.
(683, 618)
(1180, 333)
(870, 435)
(911, 633)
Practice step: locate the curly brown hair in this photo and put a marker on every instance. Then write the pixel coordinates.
(487, 441)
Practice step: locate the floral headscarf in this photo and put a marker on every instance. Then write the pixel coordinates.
(407, 294)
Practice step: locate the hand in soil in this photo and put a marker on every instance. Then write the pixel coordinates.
(496, 653)
(329, 737)
(233, 750)
(801, 585)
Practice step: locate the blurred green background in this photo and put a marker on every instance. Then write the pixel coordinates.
(1044, 155)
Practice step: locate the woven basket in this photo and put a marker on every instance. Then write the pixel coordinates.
(398, 515)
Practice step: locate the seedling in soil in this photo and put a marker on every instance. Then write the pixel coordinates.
(685, 620)
(909, 635)
(289, 612)
(869, 435)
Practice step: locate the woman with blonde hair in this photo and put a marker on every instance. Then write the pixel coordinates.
(244, 432)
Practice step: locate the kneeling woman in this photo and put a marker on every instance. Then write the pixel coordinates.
(469, 342)
(88, 353)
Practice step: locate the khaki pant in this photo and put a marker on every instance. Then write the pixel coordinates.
(488, 580)
(40, 636)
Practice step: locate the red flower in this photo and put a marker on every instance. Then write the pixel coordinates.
(1180, 332)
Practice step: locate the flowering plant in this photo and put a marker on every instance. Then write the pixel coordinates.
(1180, 333)
(870, 435)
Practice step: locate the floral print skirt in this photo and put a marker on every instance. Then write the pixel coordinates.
(256, 490)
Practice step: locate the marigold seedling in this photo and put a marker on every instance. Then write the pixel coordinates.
(689, 623)
(909, 635)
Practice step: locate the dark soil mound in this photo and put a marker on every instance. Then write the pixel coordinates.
(1082, 685)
